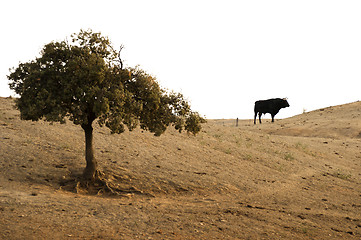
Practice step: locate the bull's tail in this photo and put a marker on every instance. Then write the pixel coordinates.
(255, 112)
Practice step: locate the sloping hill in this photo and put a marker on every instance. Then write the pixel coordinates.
(337, 122)
(298, 178)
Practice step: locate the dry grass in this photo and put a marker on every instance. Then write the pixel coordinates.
(298, 178)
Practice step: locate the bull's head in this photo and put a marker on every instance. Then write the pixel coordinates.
(286, 104)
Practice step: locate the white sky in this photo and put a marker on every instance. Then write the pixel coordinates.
(222, 55)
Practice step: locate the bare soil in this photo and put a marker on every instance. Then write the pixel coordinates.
(297, 178)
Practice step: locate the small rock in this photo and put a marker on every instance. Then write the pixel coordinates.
(60, 166)
(336, 230)
(302, 217)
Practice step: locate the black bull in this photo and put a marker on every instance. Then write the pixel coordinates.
(271, 106)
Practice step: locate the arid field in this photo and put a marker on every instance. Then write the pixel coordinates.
(296, 178)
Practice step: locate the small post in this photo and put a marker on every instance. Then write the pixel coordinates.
(237, 122)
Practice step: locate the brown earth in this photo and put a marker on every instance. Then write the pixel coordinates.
(297, 178)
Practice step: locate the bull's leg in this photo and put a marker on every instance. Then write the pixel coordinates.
(255, 117)
(259, 115)
(273, 118)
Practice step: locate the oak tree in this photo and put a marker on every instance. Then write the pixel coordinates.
(85, 81)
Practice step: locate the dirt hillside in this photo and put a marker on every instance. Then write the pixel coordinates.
(297, 178)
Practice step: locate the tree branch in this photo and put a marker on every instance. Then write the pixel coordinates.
(120, 60)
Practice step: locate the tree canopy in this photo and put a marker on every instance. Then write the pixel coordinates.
(84, 80)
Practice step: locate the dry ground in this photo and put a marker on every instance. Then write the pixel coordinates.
(298, 178)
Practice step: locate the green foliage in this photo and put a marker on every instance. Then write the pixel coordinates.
(339, 174)
(289, 157)
(82, 81)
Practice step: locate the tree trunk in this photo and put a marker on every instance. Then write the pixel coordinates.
(91, 163)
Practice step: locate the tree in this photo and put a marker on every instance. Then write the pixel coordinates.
(84, 81)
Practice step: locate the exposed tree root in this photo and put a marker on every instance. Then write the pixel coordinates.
(105, 184)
